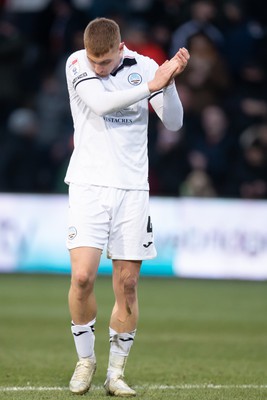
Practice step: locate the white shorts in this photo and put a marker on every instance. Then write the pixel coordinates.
(105, 216)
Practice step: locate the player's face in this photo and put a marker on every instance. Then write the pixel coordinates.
(105, 64)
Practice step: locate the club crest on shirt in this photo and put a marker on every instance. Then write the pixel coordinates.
(135, 79)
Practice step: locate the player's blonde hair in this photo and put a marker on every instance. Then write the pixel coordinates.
(101, 35)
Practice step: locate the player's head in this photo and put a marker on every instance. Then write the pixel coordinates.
(102, 42)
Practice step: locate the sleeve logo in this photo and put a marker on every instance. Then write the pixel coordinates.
(74, 67)
(79, 77)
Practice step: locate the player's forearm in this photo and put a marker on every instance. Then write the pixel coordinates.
(172, 108)
(169, 108)
(102, 102)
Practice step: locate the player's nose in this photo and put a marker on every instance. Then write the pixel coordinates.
(98, 69)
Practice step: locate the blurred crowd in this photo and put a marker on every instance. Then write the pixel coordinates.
(221, 151)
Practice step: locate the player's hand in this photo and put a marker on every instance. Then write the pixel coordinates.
(164, 74)
(182, 57)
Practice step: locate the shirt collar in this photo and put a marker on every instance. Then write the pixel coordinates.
(126, 62)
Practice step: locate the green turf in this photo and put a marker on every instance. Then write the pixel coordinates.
(191, 333)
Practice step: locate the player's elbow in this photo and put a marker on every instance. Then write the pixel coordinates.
(174, 125)
(100, 108)
(173, 120)
(100, 111)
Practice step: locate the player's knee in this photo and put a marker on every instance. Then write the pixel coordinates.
(130, 285)
(83, 280)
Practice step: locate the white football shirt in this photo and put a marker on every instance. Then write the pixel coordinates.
(110, 117)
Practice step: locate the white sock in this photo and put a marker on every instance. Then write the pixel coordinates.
(120, 346)
(84, 339)
(121, 343)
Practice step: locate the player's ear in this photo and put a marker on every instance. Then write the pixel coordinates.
(121, 46)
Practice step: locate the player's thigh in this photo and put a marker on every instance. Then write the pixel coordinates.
(84, 264)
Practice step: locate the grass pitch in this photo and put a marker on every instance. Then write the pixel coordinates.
(196, 339)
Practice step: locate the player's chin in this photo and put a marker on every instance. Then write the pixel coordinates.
(103, 75)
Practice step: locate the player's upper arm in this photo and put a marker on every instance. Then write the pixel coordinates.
(168, 107)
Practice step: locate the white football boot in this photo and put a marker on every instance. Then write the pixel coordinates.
(116, 386)
(82, 377)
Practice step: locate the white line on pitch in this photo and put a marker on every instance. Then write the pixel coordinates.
(154, 387)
